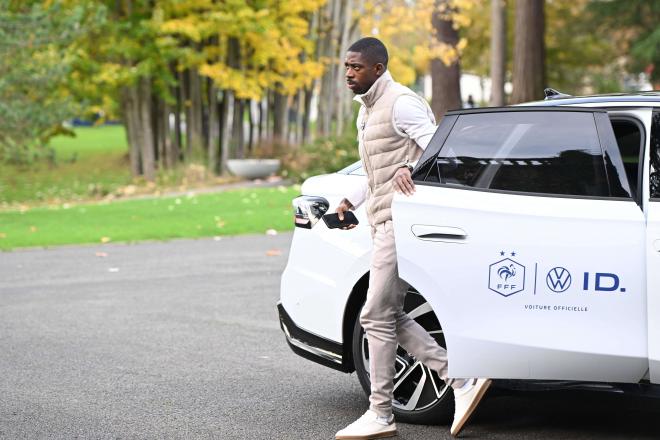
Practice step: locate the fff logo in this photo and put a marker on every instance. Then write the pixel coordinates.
(506, 276)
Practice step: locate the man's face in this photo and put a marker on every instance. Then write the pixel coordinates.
(361, 74)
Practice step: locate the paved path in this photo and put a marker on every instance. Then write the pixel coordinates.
(181, 340)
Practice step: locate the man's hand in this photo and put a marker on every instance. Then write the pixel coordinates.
(344, 206)
(402, 182)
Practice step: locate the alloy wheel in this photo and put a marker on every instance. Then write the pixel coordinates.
(416, 387)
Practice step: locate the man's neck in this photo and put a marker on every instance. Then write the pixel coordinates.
(370, 97)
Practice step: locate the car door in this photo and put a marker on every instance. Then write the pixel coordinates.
(525, 240)
(653, 246)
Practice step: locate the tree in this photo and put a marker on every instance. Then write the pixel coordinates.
(634, 25)
(498, 51)
(446, 72)
(529, 51)
(254, 52)
(35, 63)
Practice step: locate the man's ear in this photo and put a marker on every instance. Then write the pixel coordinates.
(380, 69)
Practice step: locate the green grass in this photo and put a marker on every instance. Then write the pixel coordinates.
(92, 164)
(91, 141)
(206, 215)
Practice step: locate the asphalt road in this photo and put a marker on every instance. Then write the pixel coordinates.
(181, 340)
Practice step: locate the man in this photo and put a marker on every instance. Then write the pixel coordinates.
(394, 126)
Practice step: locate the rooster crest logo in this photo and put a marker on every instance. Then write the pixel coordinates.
(506, 272)
(506, 276)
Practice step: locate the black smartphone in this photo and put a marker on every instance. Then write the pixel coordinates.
(332, 220)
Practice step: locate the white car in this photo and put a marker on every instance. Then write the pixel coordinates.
(532, 245)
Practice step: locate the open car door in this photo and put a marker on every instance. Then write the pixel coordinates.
(524, 238)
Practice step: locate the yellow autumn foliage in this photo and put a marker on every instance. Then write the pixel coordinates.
(275, 51)
(406, 29)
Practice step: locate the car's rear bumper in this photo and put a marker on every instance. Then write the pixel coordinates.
(310, 346)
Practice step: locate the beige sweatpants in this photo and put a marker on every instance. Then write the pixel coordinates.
(385, 323)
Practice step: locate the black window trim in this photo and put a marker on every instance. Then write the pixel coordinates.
(640, 164)
(451, 117)
(610, 149)
(653, 112)
(430, 153)
(523, 193)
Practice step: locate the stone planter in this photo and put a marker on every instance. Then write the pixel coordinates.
(253, 168)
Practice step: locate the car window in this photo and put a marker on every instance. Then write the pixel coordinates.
(549, 152)
(628, 133)
(655, 156)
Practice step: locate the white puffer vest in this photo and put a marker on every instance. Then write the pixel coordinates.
(383, 149)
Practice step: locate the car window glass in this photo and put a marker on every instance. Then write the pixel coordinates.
(655, 156)
(629, 138)
(537, 152)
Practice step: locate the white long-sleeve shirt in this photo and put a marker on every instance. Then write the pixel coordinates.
(411, 118)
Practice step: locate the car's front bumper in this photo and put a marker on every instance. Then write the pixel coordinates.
(311, 346)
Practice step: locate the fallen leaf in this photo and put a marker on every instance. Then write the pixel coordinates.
(273, 252)
(33, 229)
(271, 232)
(3, 235)
(101, 254)
(105, 239)
(217, 238)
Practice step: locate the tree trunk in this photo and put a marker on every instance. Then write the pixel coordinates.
(300, 116)
(238, 131)
(147, 147)
(171, 154)
(497, 51)
(280, 117)
(342, 90)
(328, 48)
(212, 143)
(226, 111)
(307, 115)
(252, 121)
(262, 114)
(529, 51)
(131, 119)
(178, 139)
(446, 84)
(194, 122)
(156, 126)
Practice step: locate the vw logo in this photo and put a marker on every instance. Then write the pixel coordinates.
(558, 279)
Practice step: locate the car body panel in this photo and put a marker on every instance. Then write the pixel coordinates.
(324, 264)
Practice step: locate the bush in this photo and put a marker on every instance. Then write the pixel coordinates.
(325, 155)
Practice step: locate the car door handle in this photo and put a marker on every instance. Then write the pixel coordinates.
(439, 233)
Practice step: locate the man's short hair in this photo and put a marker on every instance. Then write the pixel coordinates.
(372, 49)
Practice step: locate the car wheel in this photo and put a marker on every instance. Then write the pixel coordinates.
(420, 396)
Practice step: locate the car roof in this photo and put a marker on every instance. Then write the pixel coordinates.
(647, 98)
(527, 108)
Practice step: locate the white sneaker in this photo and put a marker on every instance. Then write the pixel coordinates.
(466, 400)
(369, 426)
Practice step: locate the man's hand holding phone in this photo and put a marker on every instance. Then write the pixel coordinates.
(345, 206)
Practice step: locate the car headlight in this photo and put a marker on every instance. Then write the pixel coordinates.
(309, 210)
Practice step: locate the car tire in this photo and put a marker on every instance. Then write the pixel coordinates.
(435, 401)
